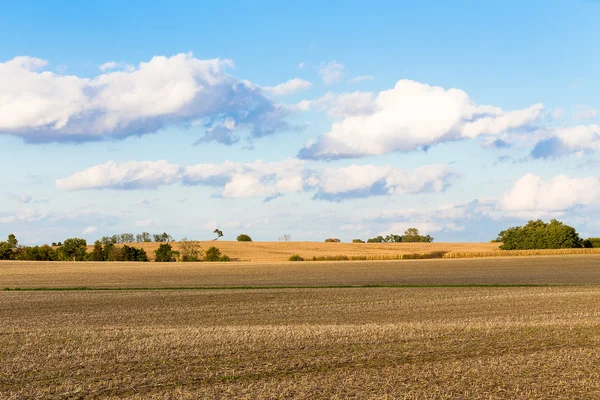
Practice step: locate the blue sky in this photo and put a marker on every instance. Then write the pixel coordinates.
(315, 119)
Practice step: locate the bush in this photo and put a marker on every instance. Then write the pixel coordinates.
(164, 253)
(244, 238)
(225, 257)
(540, 235)
(357, 241)
(190, 250)
(212, 254)
(133, 254)
(332, 240)
(593, 242)
(296, 257)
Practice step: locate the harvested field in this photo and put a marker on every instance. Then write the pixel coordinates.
(569, 269)
(492, 342)
(312, 341)
(281, 251)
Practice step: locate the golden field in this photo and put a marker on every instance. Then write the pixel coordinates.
(281, 251)
(483, 328)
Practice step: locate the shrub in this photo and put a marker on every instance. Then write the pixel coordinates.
(133, 254)
(332, 240)
(225, 257)
(296, 257)
(164, 253)
(594, 242)
(244, 238)
(190, 250)
(357, 241)
(212, 254)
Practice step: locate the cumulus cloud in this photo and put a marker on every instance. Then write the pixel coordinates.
(89, 230)
(361, 78)
(41, 106)
(129, 175)
(289, 87)
(534, 196)
(265, 179)
(414, 116)
(568, 140)
(331, 72)
(359, 181)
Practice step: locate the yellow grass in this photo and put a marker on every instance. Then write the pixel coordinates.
(370, 343)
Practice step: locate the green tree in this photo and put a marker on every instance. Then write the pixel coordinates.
(219, 233)
(73, 249)
(540, 235)
(244, 238)
(164, 253)
(133, 254)
(12, 241)
(357, 241)
(97, 253)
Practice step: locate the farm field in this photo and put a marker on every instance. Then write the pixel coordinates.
(443, 342)
(281, 251)
(538, 270)
(532, 332)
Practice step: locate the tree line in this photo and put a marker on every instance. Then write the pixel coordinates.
(75, 249)
(411, 235)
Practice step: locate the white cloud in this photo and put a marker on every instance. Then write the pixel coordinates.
(26, 215)
(369, 180)
(41, 106)
(532, 195)
(414, 116)
(331, 72)
(108, 66)
(89, 230)
(568, 140)
(112, 65)
(289, 87)
(301, 65)
(361, 78)
(144, 222)
(129, 175)
(341, 105)
(265, 179)
(583, 112)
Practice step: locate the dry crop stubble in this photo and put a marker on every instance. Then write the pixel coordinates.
(567, 269)
(509, 342)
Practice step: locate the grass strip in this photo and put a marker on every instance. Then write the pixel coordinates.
(474, 285)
